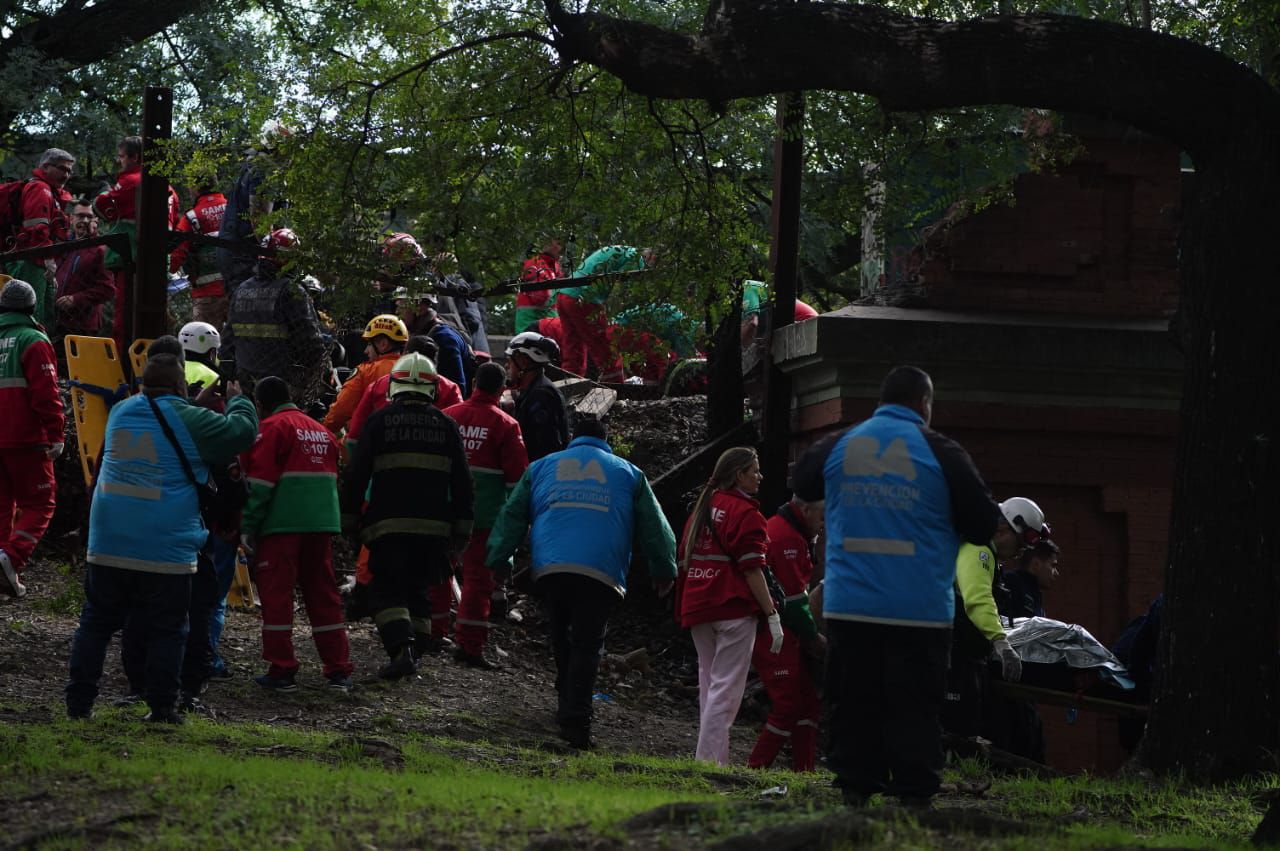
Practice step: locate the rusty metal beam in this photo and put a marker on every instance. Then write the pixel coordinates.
(151, 275)
(784, 254)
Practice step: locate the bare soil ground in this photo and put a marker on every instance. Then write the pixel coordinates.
(649, 710)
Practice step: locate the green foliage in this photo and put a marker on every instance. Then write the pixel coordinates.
(459, 123)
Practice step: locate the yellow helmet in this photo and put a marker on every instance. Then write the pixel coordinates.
(413, 373)
(388, 326)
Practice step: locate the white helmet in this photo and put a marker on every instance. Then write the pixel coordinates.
(413, 373)
(534, 346)
(199, 337)
(1026, 518)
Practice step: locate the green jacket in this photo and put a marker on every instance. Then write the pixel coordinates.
(292, 471)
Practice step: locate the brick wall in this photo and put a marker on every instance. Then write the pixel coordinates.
(1098, 238)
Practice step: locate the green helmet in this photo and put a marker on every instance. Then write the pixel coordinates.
(413, 373)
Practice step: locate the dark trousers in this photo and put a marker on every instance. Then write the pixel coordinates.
(962, 712)
(403, 568)
(112, 594)
(197, 659)
(578, 608)
(886, 685)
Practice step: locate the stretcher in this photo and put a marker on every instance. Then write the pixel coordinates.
(138, 357)
(96, 378)
(1104, 701)
(242, 594)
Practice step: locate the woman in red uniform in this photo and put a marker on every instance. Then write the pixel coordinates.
(724, 594)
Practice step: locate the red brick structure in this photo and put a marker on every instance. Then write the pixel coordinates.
(1046, 334)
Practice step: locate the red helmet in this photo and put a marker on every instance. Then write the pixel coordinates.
(280, 239)
(401, 247)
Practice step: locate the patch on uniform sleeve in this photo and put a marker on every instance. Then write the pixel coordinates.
(984, 555)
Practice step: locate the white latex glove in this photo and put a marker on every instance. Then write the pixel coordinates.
(775, 631)
(1010, 662)
(54, 450)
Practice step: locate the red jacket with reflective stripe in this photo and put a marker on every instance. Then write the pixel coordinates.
(714, 586)
(205, 218)
(29, 397)
(43, 221)
(495, 451)
(375, 399)
(292, 471)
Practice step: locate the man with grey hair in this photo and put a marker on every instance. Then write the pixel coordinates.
(41, 222)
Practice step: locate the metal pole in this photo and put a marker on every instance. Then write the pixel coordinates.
(788, 167)
(151, 276)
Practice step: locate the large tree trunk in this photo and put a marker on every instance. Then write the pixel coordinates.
(1215, 709)
(1216, 712)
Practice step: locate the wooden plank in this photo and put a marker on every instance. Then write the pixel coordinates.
(572, 388)
(1052, 697)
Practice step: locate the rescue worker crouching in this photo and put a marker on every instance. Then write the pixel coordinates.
(978, 632)
(412, 464)
(272, 327)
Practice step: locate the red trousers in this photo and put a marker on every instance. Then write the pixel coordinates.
(471, 630)
(26, 501)
(121, 308)
(586, 332)
(442, 599)
(642, 353)
(302, 560)
(796, 708)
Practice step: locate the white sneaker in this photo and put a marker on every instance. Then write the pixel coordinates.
(11, 584)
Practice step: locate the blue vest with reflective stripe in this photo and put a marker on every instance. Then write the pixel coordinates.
(582, 501)
(145, 513)
(891, 545)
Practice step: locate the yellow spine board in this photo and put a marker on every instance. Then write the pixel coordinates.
(138, 358)
(91, 360)
(242, 594)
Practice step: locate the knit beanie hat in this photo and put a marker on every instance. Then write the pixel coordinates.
(18, 295)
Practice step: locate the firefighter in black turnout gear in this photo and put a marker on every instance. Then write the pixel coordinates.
(272, 327)
(420, 508)
(540, 407)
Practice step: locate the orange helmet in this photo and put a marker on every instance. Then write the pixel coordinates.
(387, 325)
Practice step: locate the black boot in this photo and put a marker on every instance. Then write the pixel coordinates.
(401, 665)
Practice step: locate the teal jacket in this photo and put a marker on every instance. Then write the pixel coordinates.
(603, 261)
(145, 513)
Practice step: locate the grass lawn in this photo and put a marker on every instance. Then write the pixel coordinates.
(116, 782)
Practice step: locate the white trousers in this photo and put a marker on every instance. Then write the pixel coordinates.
(724, 658)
